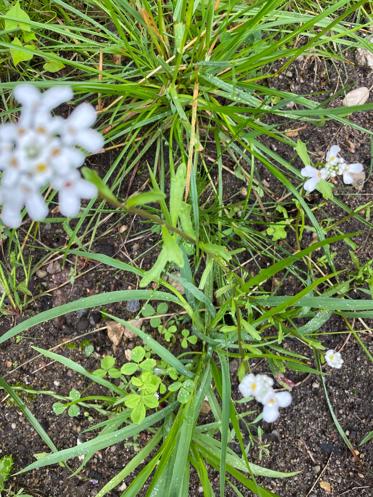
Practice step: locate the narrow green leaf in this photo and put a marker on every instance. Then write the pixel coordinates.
(87, 303)
(101, 441)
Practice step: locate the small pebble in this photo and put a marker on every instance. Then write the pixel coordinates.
(41, 273)
(13, 426)
(133, 305)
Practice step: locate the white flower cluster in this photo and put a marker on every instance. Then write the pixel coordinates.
(333, 359)
(42, 149)
(260, 387)
(335, 165)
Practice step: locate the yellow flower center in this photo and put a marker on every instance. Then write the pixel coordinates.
(41, 168)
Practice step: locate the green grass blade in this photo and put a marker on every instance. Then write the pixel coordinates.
(156, 347)
(101, 441)
(74, 366)
(28, 415)
(132, 465)
(267, 273)
(226, 404)
(87, 303)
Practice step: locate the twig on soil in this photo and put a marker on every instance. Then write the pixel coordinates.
(320, 475)
(353, 488)
(308, 451)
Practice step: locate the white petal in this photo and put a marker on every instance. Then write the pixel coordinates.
(347, 179)
(265, 379)
(36, 207)
(263, 392)
(85, 189)
(355, 168)
(309, 171)
(56, 96)
(84, 116)
(26, 118)
(8, 132)
(270, 414)
(55, 124)
(332, 153)
(75, 156)
(247, 384)
(26, 94)
(310, 184)
(11, 217)
(90, 140)
(244, 389)
(69, 203)
(284, 399)
(10, 177)
(13, 197)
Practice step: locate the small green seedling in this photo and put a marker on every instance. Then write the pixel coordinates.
(138, 362)
(184, 389)
(146, 397)
(87, 347)
(187, 339)
(6, 464)
(72, 408)
(168, 332)
(107, 368)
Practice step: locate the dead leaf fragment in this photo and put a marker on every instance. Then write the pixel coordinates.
(128, 354)
(54, 267)
(364, 57)
(356, 97)
(358, 180)
(326, 486)
(116, 331)
(137, 324)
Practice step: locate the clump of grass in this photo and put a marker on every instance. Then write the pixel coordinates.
(190, 82)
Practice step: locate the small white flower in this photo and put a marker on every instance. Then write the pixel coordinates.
(272, 403)
(72, 188)
(43, 149)
(248, 386)
(314, 175)
(332, 156)
(335, 164)
(256, 386)
(24, 194)
(334, 359)
(77, 129)
(348, 170)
